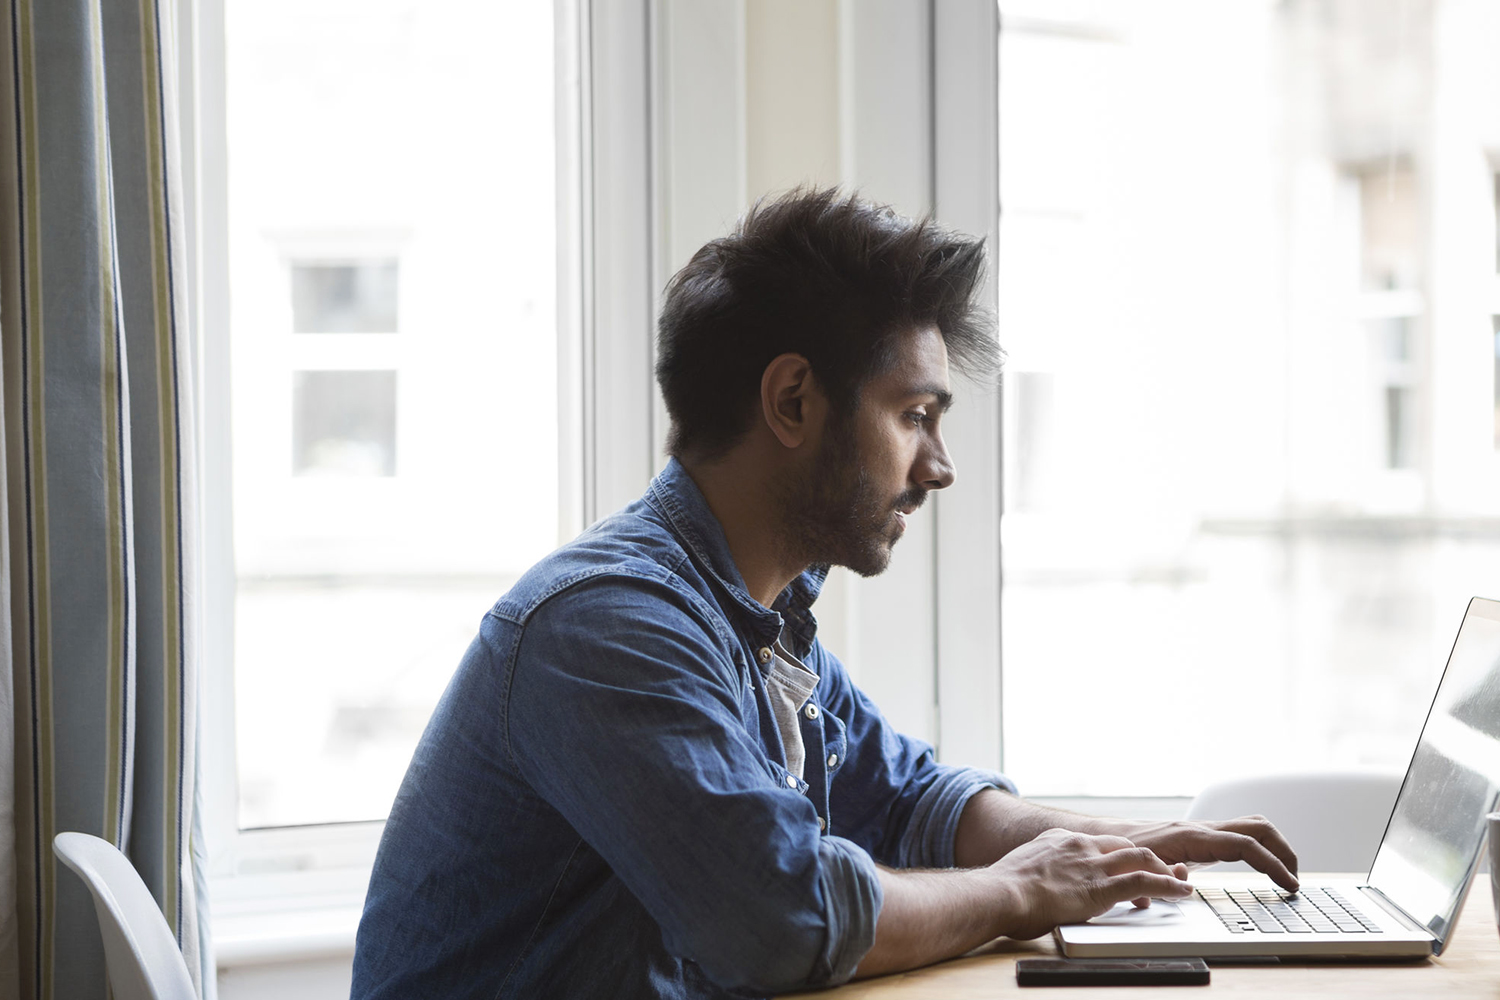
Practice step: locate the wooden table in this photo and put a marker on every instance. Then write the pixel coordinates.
(1470, 968)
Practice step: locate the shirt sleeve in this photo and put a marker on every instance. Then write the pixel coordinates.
(626, 712)
(892, 797)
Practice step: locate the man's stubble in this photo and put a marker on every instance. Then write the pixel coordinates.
(834, 515)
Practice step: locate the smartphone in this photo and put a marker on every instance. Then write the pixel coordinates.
(1111, 972)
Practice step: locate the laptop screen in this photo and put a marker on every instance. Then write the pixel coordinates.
(1432, 844)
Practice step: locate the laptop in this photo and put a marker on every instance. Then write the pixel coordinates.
(1407, 905)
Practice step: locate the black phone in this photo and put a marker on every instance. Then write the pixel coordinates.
(1111, 972)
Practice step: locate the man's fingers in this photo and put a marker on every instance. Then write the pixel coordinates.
(1237, 840)
(1139, 873)
(1131, 859)
(1242, 847)
(1266, 833)
(1145, 885)
(1257, 857)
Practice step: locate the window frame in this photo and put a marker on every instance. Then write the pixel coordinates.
(967, 578)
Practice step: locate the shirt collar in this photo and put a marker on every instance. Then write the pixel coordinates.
(679, 500)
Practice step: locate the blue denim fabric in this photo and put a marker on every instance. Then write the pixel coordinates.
(600, 805)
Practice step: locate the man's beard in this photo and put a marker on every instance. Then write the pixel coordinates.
(833, 515)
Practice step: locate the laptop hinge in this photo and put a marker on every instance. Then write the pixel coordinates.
(1389, 905)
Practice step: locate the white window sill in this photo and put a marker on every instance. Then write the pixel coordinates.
(291, 895)
(277, 938)
(286, 916)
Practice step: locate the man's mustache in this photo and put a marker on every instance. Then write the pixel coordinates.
(911, 499)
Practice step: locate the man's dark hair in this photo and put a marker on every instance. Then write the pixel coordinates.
(833, 278)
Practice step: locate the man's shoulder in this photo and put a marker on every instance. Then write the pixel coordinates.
(627, 555)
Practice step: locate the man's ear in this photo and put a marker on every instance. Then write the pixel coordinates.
(791, 402)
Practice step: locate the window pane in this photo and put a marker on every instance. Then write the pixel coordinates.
(1250, 475)
(344, 298)
(392, 255)
(344, 423)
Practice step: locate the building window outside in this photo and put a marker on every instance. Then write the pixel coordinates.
(1264, 505)
(344, 297)
(394, 372)
(344, 423)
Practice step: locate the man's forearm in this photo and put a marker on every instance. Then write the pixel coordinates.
(928, 916)
(1057, 877)
(994, 823)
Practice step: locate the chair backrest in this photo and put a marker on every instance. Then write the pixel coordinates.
(1333, 820)
(140, 951)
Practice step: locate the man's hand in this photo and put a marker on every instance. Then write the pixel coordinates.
(1062, 877)
(1024, 868)
(1057, 877)
(1251, 839)
(995, 823)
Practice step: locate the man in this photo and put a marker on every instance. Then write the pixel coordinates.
(648, 778)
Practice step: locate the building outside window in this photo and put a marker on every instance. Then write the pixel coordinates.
(1247, 278)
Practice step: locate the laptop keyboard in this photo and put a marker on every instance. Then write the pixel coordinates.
(1270, 911)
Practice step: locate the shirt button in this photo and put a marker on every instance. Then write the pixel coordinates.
(764, 654)
(811, 711)
(822, 824)
(833, 760)
(791, 782)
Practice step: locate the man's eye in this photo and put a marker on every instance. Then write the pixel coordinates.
(917, 419)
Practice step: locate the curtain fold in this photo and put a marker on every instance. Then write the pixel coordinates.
(99, 474)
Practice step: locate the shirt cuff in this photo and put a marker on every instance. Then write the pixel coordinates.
(851, 890)
(928, 840)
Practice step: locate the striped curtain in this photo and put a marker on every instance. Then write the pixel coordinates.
(99, 480)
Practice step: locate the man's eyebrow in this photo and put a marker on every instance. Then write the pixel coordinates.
(944, 397)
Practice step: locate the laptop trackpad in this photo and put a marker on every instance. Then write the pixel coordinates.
(1159, 913)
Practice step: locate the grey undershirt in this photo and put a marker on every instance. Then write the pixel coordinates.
(790, 684)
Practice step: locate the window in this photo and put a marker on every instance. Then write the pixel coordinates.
(392, 259)
(1245, 496)
(353, 297)
(344, 423)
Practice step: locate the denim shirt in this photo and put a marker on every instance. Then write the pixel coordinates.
(600, 805)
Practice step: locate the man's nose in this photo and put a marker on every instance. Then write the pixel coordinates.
(937, 471)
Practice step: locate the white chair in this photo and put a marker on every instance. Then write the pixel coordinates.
(140, 952)
(1334, 821)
